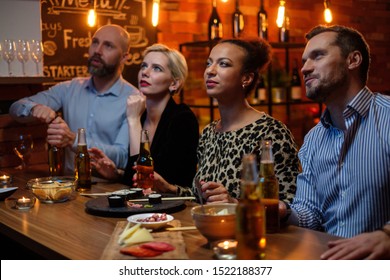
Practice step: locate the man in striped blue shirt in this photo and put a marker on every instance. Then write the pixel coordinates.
(344, 188)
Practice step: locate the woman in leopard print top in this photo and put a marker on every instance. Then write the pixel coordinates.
(232, 72)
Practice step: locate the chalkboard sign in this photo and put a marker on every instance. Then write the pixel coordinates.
(66, 35)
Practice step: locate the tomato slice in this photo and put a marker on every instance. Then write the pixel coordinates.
(158, 246)
(139, 251)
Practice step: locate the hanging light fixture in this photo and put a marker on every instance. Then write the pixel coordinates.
(281, 11)
(91, 19)
(327, 12)
(155, 12)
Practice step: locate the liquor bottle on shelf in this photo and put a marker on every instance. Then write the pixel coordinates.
(56, 166)
(269, 187)
(284, 31)
(82, 163)
(145, 166)
(215, 24)
(296, 84)
(238, 21)
(250, 217)
(262, 22)
(261, 91)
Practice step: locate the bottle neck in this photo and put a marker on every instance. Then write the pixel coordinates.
(214, 3)
(81, 137)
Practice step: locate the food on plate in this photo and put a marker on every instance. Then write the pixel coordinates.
(154, 218)
(158, 246)
(149, 249)
(138, 251)
(133, 235)
(155, 198)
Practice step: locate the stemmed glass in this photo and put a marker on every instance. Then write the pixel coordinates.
(36, 49)
(23, 53)
(9, 53)
(23, 148)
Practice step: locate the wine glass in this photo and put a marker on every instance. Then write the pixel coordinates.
(23, 148)
(36, 49)
(9, 53)
(23, 53)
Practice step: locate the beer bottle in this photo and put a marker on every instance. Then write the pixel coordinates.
(250, 223)
(269, 187)
(82, 163)
(56, 166)
(145, 165)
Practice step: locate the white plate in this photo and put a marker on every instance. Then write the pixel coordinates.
(4, 190)
(149, 225)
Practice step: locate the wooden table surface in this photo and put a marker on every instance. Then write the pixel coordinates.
(66, 231)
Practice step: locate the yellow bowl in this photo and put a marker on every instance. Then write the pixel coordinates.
(218, 222)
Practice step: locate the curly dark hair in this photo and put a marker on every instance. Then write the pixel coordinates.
(257, 59)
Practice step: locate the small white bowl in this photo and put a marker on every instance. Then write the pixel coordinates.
(149, 225)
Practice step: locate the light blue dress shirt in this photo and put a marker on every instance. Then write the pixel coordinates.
(103, 115)
(344, 188)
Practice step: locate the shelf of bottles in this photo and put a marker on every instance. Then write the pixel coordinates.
(264, 95)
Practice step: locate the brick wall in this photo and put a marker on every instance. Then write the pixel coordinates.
(184, 21)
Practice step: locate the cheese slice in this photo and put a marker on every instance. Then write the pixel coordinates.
(139, 236)
(128, 232)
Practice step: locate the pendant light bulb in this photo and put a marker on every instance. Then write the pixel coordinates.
(327, 12)
(155, 12)
(281, 11)
(91, 17)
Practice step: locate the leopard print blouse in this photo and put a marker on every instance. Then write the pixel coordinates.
(220, 155)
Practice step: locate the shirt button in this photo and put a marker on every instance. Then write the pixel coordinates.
(341, 224)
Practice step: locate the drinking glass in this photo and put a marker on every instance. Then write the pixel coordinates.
(36, 49)
(23, 148)
(9, 53)
(23, 53)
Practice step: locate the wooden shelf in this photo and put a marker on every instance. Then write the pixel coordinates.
(25, 80)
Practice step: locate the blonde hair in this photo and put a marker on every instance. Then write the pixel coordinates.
(177, 63)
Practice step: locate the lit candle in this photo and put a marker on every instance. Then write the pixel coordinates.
(24, 203)
(226, 249)
(5, 179)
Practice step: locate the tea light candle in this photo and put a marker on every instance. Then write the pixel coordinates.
(5, 179)
(226, 249)
(24, 203)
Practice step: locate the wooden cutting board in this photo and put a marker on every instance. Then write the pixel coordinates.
(111, 252)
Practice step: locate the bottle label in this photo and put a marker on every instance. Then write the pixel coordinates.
(296, 93)
(262, 94)
(216, 31)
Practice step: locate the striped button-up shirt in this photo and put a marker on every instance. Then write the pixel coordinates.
(344, 188)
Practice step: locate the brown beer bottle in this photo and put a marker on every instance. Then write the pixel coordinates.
(269, 187)
(56, 166)
(145, 165)
(82, 163)
(250, 224)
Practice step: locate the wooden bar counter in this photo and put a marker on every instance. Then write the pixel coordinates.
(66, 231)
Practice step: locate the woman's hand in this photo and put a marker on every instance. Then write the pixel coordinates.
(213, 192)
(160, 185)
(135, 106)
(105, 166)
